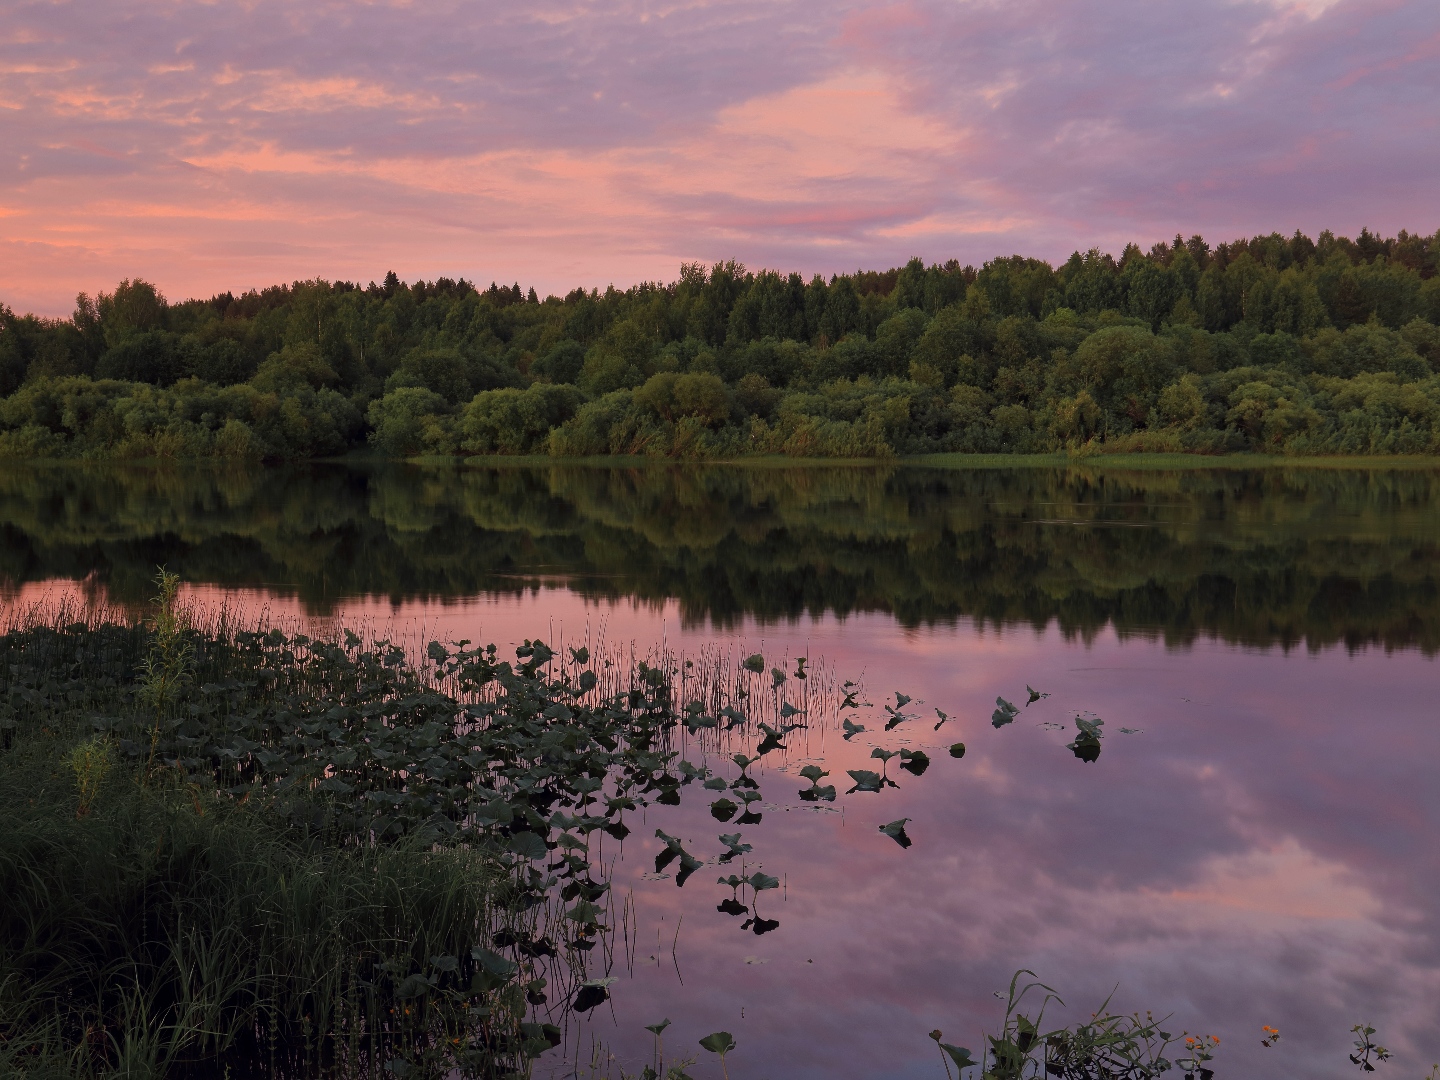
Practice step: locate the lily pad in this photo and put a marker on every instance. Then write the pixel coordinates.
(1004, 713)
(865, 780)
(896, 831)
(914, 762)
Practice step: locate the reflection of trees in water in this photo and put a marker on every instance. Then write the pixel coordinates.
(1279, 555)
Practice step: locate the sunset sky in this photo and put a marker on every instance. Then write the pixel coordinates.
(233, 145)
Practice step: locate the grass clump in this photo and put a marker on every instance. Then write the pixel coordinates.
(289, 856)
(166, 916)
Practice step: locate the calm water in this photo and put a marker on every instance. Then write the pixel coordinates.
(1261, 850)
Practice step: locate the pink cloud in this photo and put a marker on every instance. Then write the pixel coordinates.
(212, 147)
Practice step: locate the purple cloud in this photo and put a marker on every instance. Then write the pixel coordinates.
(210, 147)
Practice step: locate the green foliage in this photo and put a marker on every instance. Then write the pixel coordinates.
(411, 420)
(154, 923)
(1108, 1046)
(516, 421)
(1137, 353)
(720, 1043)
(1367, 1051)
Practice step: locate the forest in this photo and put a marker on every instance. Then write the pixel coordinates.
(1272, 344)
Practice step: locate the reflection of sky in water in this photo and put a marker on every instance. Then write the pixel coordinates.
(1262, 852)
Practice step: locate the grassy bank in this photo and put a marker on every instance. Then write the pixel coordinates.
(159, 921)
(229, 848)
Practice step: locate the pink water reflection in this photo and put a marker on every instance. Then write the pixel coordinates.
(1261, 851)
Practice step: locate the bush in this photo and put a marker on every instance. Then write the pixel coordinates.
(516, 421)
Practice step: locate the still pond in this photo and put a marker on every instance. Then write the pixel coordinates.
(1256, 844)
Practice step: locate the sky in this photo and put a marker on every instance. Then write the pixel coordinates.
(214, 146)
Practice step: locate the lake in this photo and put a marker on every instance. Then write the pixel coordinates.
(1255, 845)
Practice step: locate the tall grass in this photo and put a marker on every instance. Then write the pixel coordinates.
(156, 925)
(229, 846)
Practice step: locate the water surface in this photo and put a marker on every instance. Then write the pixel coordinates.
(1261, 850)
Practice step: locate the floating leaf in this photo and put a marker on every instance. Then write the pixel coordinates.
(589, 996)
(914, 762)
(896, 831)
(732, 842)
(957, 750)
(1086, 746)
(818, 793)
(771, 740)
(715, 783)
(1004, 713)
(695, 721)
(733, 715)
(688, 865)
(851, 730)
(865, 780)
(723, 809)
(1035, 695)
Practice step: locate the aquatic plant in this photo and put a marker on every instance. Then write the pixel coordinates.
(1367, 1051)
(1108, 1046)
(720, 1043)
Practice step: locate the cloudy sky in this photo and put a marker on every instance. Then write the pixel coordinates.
(207, 146)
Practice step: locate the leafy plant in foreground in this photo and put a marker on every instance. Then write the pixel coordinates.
(1109, 1046)
(1366, 1048)
(721, 1043)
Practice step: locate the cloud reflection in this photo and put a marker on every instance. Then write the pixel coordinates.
(1260, 853)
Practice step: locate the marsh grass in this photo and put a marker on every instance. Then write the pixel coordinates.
(233, 847)
(156, 924)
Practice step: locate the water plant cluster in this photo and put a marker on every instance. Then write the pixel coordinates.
(300, 855)
(292, 856)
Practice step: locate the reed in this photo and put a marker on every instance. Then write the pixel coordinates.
(231, 846)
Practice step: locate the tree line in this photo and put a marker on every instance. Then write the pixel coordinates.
(1270, 344)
